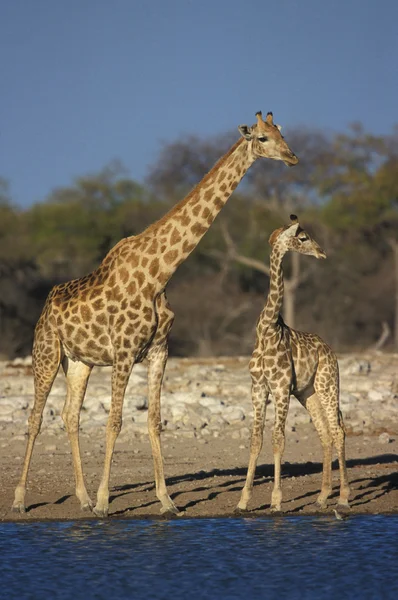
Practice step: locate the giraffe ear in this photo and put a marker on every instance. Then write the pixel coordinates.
(274, 235)
(246, 132)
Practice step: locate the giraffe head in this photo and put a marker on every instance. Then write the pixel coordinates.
(267, 141)
(294, 238)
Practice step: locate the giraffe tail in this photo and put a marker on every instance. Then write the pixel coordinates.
(341, 422)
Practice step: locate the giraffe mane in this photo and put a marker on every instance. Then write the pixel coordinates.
(275, 234)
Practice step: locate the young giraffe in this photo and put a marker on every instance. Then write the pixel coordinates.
(285, 362)
(119, 314)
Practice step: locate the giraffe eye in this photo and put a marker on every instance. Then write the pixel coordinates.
(303, 239)
(262, 139)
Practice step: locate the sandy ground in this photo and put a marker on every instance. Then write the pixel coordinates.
(204, 479)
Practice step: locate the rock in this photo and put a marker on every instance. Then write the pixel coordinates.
(354, 366)
(205, 432)
(193, 420)
(217, 422)
(21, 362)
(347, 400)
(6, 418)
(233, 413)
(10, 403)
(186, 433)
(377, 395)
(141, 403)
(186, 397)
(302, 418)
(245, 433)
(50, 448)
(204, 398)
(384, 438)
(169, 426)
(214, 405)
(178, 410)
(141, 417)
(141, 428)
(136, 379)
(210, 389)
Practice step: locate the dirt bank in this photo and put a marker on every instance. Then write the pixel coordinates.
(204, 477)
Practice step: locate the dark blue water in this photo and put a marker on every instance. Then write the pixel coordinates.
(288, 557)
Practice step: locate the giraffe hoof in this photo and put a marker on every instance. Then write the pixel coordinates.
(275, 510)
(344, 505)
(100, 512)
(18, 507)
(321, 505)
(171, 511)
(240, 511)
(87, 507)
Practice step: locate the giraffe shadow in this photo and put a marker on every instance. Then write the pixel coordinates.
(127, 488)
(40, 504)
(63, 499)
(36, 505)
(374, 488)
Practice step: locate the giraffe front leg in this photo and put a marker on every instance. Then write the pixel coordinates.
(157, 358)
(259, 400)
(278, 444)
(120, 375)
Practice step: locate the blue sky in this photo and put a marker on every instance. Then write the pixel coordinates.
(84, 82)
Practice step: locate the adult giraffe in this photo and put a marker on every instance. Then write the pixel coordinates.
(119, 314)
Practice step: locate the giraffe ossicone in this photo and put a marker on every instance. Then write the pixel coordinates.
(288, 362)
(118, 315)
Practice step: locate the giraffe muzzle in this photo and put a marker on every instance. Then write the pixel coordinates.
(290, 160)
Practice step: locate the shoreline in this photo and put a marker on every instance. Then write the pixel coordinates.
(161, 518)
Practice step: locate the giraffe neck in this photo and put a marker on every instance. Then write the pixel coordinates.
(270, 313)
(174, 236)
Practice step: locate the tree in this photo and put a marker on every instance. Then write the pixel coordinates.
(77, 225)
(364, 199)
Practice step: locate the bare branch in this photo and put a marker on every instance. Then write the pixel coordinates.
(384, 335)
(234, 314)
(253, 263)
(230, 244)
(232, 253)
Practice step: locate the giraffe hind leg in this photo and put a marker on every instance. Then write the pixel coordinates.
(45, 362)
(77, 375)
(339, 441)
(329, 397)
(314, 406)
(121, 370)
(157, 359)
